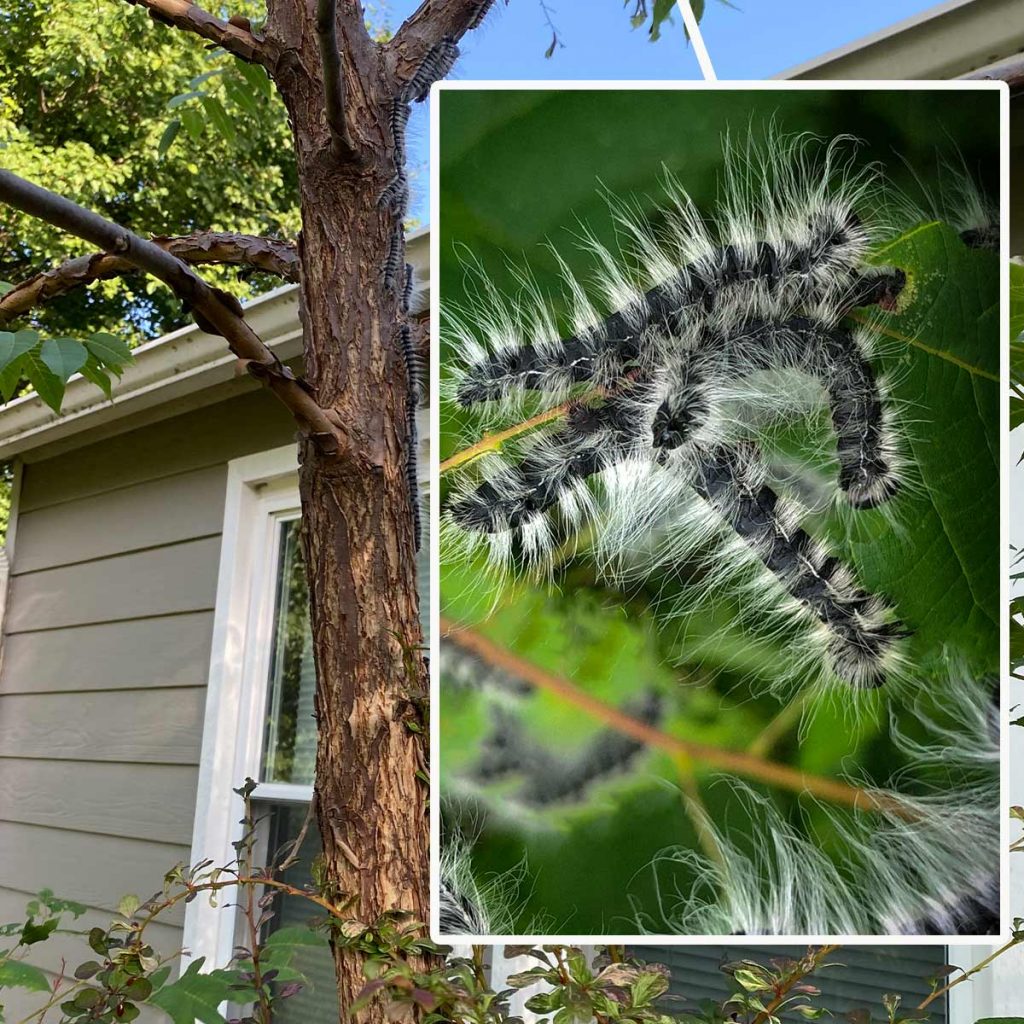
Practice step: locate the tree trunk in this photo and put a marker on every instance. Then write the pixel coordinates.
(357, 526)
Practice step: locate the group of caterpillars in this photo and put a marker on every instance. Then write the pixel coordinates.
(651, 456)
(656, 452)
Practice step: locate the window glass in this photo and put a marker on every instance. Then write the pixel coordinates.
(318, 1000)
(869, 972)
(289, 749)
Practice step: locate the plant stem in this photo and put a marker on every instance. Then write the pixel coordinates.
(740, 762)
(492, 442)
(1015, 941)
(798, 975)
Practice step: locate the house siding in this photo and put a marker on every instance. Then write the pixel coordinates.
(105, 656)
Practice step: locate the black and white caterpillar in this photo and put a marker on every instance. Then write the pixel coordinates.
(659, 450)
(905, 872)
(414, 379)
(550, 778)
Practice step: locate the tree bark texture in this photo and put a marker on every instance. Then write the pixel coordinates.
(357, 527)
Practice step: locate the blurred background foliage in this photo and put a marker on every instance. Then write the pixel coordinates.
(522, 168)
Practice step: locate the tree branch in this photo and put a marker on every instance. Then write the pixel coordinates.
(215, 311)
(748, 765)
(1010, 71)
(334, 80)
(190, 17)
(426, 28)
(271, 255)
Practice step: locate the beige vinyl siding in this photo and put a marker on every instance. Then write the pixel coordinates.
(105, 657)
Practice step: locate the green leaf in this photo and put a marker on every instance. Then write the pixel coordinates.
(170, 133)
(48, 385)
(111, 351)
(63, 356)
(221, 119)
(295, 938)
(205, 77)
(14, 345)
(194, 122)
(5, 287)
(95, 374)
(195, 996)
(941, 566)
(256, 77)
(18, 974)
(184, 97)
(239, 93)
(33, 933)
(128, 905)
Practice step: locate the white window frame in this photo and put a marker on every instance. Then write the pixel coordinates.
(262, 492)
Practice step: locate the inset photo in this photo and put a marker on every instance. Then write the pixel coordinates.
(716, 510)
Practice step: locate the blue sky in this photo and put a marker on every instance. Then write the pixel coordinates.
(758, 40)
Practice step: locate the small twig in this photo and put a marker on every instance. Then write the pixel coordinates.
(739, 762)
(1015, 941)
(492, 442)
(814, 962)
(779, 726)
(215, 311)
(295, 847)
(696, 810)
(334, 80)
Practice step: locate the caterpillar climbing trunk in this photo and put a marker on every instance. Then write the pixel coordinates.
(357, 528)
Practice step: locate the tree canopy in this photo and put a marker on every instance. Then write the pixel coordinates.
(84, 94)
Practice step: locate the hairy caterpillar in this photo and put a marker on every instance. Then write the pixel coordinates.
(438, 62)
(462, 669)
(551, 778)
(481, 12)
(654, 431)
(906, 872)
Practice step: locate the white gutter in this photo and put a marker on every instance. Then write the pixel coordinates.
(949, 40)
(172, 367)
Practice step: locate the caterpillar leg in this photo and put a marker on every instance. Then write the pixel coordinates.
(861, 631)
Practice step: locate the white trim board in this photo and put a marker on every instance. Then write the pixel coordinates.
(259, 489)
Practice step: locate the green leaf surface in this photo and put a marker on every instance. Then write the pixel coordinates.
(13, 345)
(18, 974)
(49, 386)
(221, 119)
(63, 356)
(169, 135)
(111, 351)
(195, 996)
(940, 563)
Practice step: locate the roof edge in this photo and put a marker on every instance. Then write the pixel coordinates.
(935, 43)
(169, 368)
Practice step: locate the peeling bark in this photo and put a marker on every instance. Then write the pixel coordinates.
(357, 529)
(271, 255)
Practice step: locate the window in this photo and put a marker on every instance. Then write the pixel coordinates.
(868, 973)
(259, 711)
